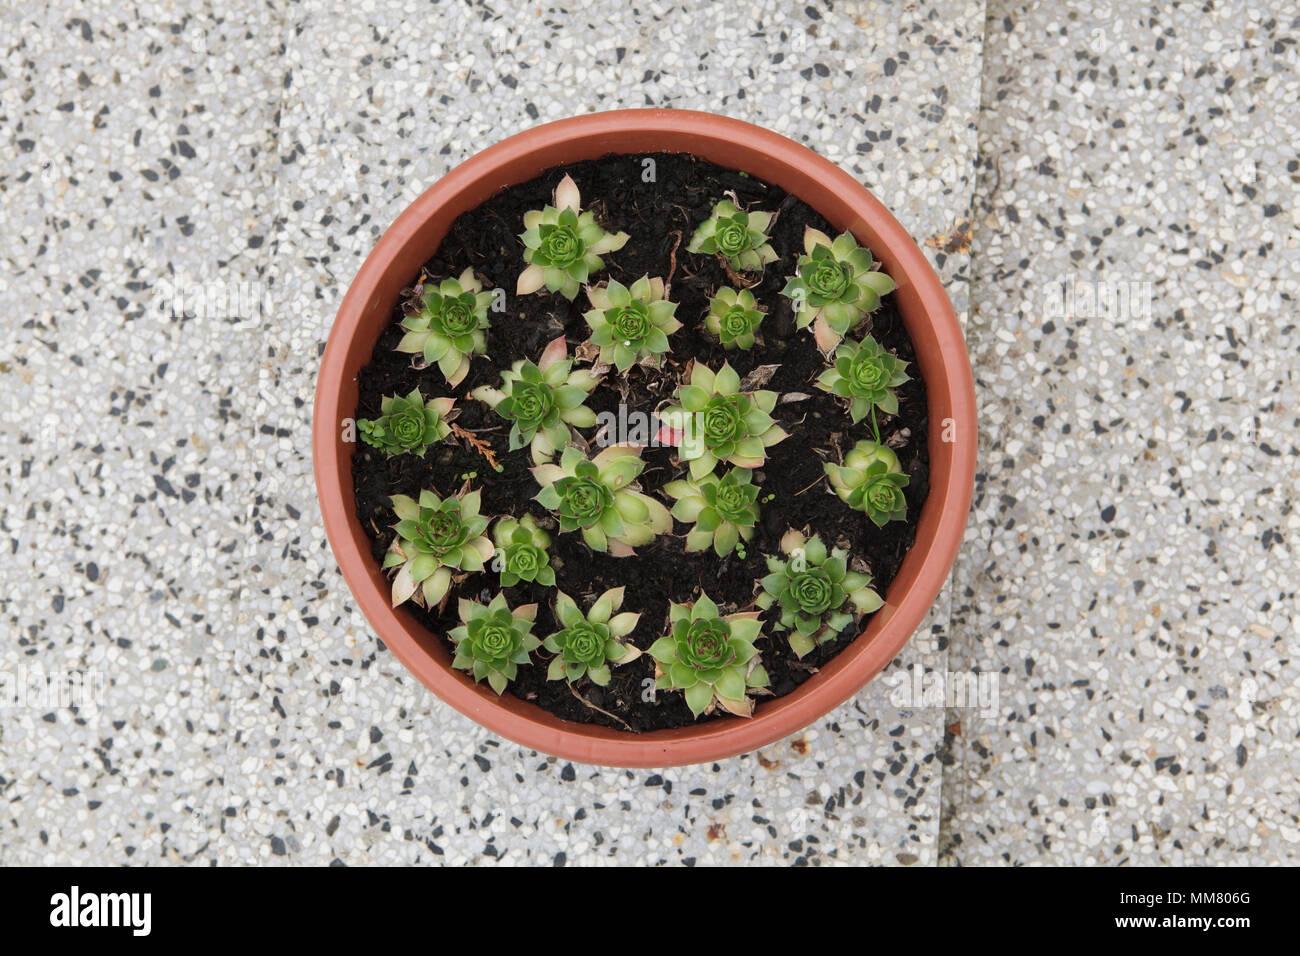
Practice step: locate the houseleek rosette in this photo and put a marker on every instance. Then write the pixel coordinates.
(734, 318)
(738, 236)
(600, 498)
(435, 536)
(563, 245)
(835, 286)
(541, 401)
(493, 640)
(723, 510)
(713, 420)
(817, 593)
(587, 644)
(710, 657)
(522, 552)
(871, 480)
(631, 324)
(407, 425)
(450, 326)
(866, 374)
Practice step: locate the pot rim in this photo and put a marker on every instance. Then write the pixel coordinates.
(927, 314)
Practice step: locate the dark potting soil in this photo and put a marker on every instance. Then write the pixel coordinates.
(659, 216)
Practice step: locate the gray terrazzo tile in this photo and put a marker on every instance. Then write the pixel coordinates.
(138, 178)
(1130, 570)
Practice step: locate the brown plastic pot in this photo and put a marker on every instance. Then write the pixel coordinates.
(940, 353)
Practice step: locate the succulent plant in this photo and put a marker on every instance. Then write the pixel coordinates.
(588, 643)
(541, 401)
(435, 536)
(710, 657)
(724, 509)
(521, 547)
(871, 480)
(866, 374)
(734, 318)
(407, 424)
(600, 497)
(811, 588)
(450, 326)
(630, 324)
(714, 421)
(834, 287)
(493, 640)
(738, 235)
(563, 245)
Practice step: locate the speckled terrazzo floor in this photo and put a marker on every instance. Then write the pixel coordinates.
(1131, 568)
(1128, 571)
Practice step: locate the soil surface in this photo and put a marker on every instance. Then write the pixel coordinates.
(659, 216)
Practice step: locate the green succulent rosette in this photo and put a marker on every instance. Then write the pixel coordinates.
(712, 420)
(734, 317)
(739, 236)
(723, 510)
(407, 425)
(542, 401)
(871, 480)
(835, 285)
(600, 498)
(587, 644)
(435, 536)
(817, 593)
(493, 640)
(710, 657)
(522, 553)
(631, 324)
(866, 374)
(450, 326)
(563, 245)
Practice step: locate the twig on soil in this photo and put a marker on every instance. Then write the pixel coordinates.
(478, 444)
(809, 488)
(626, 725)
(672, 259)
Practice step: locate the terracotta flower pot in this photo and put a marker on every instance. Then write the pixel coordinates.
(940, 353)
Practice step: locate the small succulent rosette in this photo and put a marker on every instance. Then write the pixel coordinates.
(600, 498)
(871, 480)
(450, 325)
(631, 324)
(493, 640)
(522, 552)
(435, 536)
(587, 644)
(723, 510)
(542, 401)
(866, 374)
(713, 420)
(563, 245)
(710, 657)
(835, 285)
(734, 317)
(738, 236)
(407, 425)
(817, 593)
